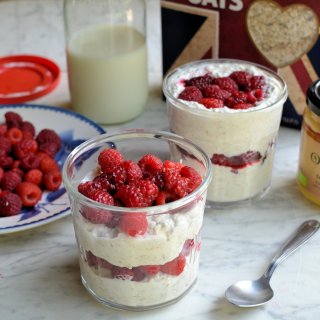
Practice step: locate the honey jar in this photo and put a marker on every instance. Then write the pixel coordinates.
(308, 177)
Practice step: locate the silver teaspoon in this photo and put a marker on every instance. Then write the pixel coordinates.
(251, 293)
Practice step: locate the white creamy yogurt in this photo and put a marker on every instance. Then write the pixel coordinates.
(229, 132)
(162, 242)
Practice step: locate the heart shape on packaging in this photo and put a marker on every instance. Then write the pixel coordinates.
(282, 34)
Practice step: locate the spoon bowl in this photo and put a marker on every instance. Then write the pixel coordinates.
(252, 293)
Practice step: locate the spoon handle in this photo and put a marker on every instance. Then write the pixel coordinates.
(298, 238)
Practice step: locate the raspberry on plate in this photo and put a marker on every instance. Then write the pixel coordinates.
(29, 193)
(10, 204)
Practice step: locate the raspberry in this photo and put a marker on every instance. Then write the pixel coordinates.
(133, 171)
(102, 263)
(97, 216)
(102, 197)
(52, 180)
(6, 162)
(13, 119)
(133, 224)
(102, 183)
(200, 82)
(165, 197)
(150, 165)
(139, 194)
(258, 94)
(193, 176)
(109, 159)
(10, 204)
(117, 177)
(50, 148)
(29, 193)
(1, 175)
(30, 161)
(226, 83)
(5, 144)
(157, 179)
(212, 103)
(10, 180)
(114, 222)
(48, 164)
(122, 273)
(27, 126)
(91, 259)
(256, 82)
(191, 93)
(87, 188)
(242, 105)
(150, 269)
(14, 135)
(242, 78)
(24, 147)
(48, 135)
(214, 91)
(3, 129)
(34, 176)
(175, 266)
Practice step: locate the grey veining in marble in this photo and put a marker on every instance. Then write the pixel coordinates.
(39, 270)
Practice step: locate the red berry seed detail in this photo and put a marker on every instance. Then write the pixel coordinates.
(109, 159)
(150, 165)
(237, 162)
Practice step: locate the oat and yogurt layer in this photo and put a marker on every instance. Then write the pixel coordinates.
(232, 110)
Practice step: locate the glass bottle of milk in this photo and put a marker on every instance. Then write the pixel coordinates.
(106, 58)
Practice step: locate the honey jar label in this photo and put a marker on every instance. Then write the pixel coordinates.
(309, 171)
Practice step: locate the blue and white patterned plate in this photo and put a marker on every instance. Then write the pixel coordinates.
(73, 129)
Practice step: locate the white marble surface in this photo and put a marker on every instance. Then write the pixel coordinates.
(39, 270)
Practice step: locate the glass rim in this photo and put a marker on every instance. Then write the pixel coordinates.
(136, 133)
(179, 104)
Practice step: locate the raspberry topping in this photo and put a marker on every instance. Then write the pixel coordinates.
(109, 159)
(214, 91)
(242, 78)
(191, 93)
(226, 83)
(211, 103)
(200, 82)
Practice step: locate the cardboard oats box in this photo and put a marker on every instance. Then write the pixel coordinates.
(282, 35)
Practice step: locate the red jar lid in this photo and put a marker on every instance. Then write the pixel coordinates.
(26, 77)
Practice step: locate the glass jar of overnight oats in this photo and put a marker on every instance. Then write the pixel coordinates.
(309, 163)
(121, 266)
(236, 122)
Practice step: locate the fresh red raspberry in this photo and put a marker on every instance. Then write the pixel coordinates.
(13, 119)
(172, 166)
(10, 204)
(139, 194)
(256, 94)
(165, 197)
(48, 135)
(109, 159)
(200, 82)
(18, 171)
(214, 91)
(133, 171)
(242, 78)
(175, 266)
(48, 164)
(34, 176)
(235, 98)
(212, 103)
(191, 93)
(30, 161)
(14, 135)
(117, 177)
(27, 126)
(10, 180)
(87, 188)
(181, 187)
(242, 105)
(96, 216)
(3, 129)
(193, 176)
(102, 183)
(122, 273)
(102, 197)
(150, 270)
(24, 147)
(150, 165)
(50, 148)
(1, 174)
(157, 179)
(115, 220)
(171, 173)
(256, 82)
(133, 224)
(52, 180)
(6, 162)
(226, 83)
(5, 144)
(29, 193)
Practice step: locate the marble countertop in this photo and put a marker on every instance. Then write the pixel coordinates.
(39, 269)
